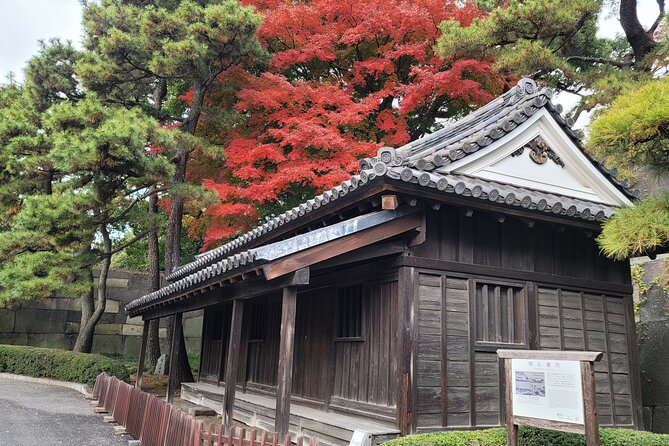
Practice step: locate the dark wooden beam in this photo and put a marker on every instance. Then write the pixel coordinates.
(242, 290)
(174, 357)
(142, 355)
(232, 361)
(406, 385)
(285, 372)
(389, 248)
(341, 246)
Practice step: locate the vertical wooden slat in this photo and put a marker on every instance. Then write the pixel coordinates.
(174, 357)
(444, 353)
(473, 321)
(142, 354)
(285, 370)
(605, 320)
(560, 321)
(531, 326)
(634, 367)
(498, 313)
(485, 299)
(232, 361)
(511, 314)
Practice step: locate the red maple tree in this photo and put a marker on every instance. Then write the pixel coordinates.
(345, 78)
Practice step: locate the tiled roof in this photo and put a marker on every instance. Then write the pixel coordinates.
(420, 162)
(256, 257)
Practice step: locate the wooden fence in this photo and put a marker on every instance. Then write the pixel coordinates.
(156, 422)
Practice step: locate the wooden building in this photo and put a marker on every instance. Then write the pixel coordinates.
(380, 304)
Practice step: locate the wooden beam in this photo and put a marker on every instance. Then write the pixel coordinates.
(285, 372)
(232, 361)
(589, 404)
(242, 290)
(406, 385)
(142, 355)
(550, 355)
(174, 357)
(341, 246)
(389, 248)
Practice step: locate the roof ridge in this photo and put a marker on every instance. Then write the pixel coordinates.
(525, 99)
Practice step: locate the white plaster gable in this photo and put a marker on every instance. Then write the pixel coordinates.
(579, 178)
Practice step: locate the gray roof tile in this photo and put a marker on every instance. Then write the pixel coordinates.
(420, 162)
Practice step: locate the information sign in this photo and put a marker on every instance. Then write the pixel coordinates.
(549, 390)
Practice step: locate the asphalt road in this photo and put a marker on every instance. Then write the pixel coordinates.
(38, 414)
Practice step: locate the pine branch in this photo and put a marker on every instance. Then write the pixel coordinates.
(601, 60)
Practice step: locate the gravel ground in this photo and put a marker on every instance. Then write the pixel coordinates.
(38, 414)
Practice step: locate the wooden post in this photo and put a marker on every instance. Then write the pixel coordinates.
(589, 404)
(174, 358)
(232, 361)
(285, 372)
(142, 355)
(511, 427)
(406, 360)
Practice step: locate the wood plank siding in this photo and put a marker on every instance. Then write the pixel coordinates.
(464, 317)
(518, 245)
(355, 375)
(468, 371)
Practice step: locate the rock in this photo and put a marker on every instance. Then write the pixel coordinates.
(160, 365)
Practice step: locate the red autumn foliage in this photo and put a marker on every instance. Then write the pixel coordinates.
(345, 78)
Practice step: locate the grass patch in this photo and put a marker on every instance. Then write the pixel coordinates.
(62, 365)
(530, 437)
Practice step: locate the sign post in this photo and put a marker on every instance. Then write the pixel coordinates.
(551, 390)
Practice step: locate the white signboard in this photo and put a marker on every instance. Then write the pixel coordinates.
(549, 390)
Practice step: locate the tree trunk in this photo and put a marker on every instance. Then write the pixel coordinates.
(153, 341)
(91, 311)
(84, 341)
(638, 38)
(173, 232)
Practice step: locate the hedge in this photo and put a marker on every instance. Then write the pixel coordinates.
(530, 437)
(58, 364)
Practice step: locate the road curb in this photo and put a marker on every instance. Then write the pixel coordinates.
(81, 388)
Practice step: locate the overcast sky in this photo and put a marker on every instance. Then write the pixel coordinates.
(24, 22)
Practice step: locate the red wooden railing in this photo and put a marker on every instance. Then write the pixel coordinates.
(156, 422)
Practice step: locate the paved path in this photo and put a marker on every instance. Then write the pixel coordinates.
(37, 414)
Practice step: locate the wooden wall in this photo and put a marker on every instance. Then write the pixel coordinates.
(581, 321)
(346, 375)
(365, 370)
(458, 383)
(482, 239)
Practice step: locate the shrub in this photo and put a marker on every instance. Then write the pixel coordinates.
(530, 437)
(58, 364)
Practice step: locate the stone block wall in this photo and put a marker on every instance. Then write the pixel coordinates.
(54, 322)
(653, 333)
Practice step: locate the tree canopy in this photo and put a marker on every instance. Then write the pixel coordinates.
(344, 79)
(634, 134)
(75, 169)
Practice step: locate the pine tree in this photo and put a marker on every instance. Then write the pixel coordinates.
(76, 169)
(141, 52)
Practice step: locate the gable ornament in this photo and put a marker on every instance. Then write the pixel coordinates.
(539, 152)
